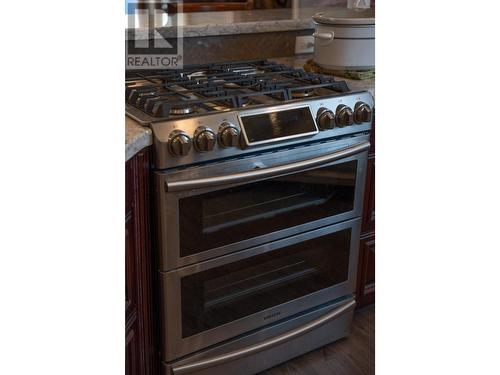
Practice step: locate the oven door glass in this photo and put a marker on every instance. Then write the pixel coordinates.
(238, 289)
(228, 216)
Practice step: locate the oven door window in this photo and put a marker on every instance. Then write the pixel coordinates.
(227, 216)
(226, 293)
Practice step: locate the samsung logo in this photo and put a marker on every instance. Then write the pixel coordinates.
(273, 315)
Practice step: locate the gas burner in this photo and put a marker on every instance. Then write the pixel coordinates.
(303, 93)
(246, 71)
(181, 109)
(245, 101)
(200, 74)
(236, 85)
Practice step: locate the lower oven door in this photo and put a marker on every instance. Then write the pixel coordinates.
(264, 198)
(212, 301)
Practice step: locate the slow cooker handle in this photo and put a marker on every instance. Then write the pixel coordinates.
(324, 35)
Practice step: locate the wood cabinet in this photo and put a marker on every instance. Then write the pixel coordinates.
(138, 268)
(132, 351)
(365, 294)
(368, 220)
(365, 289)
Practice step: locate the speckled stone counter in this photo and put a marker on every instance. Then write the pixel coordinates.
(138, 137)
(225, 23)
(298, 61)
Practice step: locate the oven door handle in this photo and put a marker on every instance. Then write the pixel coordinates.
(267, 344)
(259, 174)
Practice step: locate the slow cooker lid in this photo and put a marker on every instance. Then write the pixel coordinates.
(344, 16)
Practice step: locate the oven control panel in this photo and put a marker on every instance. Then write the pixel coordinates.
(271, 125)
(224, 134)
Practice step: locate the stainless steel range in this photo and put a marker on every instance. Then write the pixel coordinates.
(259, 174)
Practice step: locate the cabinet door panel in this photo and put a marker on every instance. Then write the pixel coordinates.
(368, 221)
(130, 286)
(139, 346)
(131, 352)
(365, 291)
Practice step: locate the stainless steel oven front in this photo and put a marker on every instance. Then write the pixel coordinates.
(218, 299)
(207, 211)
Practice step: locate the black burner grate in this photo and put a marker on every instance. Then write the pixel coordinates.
(215, 87)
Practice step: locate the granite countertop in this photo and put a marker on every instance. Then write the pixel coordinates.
(298, 61)
(138, 137)
(223, 23)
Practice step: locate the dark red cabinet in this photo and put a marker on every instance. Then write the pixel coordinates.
(368, 223)
(366, 270)
(365, 289)
(131, 349)
(138, 269)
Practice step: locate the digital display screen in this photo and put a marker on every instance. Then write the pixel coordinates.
(266, 126)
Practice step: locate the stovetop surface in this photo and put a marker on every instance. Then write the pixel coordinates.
(208, 88)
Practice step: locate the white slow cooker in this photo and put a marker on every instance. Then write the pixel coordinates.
(344, 39)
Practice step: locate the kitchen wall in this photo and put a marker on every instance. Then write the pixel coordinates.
(223, 36)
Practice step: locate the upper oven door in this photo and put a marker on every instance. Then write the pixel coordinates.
(205, 212)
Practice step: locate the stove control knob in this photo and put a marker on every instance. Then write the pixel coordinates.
(228, 135)
(362, 113)
(325, 119)
(344, 115)
(179, 143)
(204, 139)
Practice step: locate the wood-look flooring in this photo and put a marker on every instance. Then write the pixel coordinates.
(353, 355)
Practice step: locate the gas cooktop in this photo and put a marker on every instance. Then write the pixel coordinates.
(201, 89)
(206, 113)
